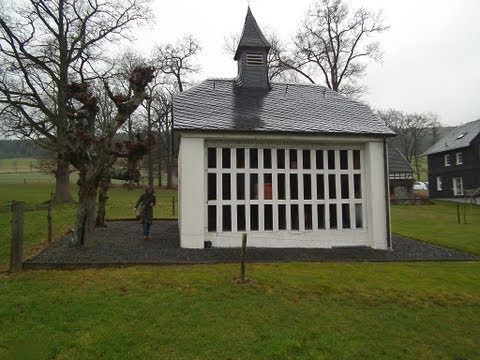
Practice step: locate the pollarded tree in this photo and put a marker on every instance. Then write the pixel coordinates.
(334, 44)
(45, 46)
(94, 152)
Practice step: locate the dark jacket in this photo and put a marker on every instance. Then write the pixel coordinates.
(147, 201)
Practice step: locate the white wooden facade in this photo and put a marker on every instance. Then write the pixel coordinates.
(295, 191)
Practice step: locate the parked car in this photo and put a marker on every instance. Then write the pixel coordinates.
(418, 185)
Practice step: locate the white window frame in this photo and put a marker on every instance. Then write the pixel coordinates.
(459, 158)
(439, 183)
(354, 203)
(457, 186)
(447, 160)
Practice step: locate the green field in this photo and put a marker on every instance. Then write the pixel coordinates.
(438, 224)
(292, 311)
(17, 165)
(416, 310)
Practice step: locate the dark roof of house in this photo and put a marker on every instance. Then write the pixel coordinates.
(397, 162)
(252, 36)
(218, 105)
(458, 138)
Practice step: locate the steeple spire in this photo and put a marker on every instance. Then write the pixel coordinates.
(252, 36)
(251, 56)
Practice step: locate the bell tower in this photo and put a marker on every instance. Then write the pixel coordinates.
(251, 56)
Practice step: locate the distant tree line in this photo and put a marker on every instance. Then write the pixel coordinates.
(20, 148)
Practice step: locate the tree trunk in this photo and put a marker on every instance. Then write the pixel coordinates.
(102, 202)
(149, 133)
(169, 173)
(417, 167)
(62, 182)
(85, 219)
(159, 158)
(150, 168)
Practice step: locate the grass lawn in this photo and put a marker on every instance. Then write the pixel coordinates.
(418, 310)
(292, 311)
(438, 224)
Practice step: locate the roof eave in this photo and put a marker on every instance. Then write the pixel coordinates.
(257, 132)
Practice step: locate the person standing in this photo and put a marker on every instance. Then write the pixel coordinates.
(147, 201)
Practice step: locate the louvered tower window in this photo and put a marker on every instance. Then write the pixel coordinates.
(254, 59)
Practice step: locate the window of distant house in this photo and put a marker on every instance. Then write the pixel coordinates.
(447, 160)
(439, 183)
(254, 59)
(458, 158)
(457, 186)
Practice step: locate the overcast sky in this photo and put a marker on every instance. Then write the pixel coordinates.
(431, 59)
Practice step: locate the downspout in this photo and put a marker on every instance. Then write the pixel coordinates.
(387, 194)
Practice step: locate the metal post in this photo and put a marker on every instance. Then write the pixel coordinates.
(16, 249)
(173, 205)
(458, 213)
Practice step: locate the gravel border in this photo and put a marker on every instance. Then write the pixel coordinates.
(121, 244)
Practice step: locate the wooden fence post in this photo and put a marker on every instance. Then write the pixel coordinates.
(16, 249)
(242, 262)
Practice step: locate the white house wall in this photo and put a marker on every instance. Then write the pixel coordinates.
(193, 198)
(191, 195)
(375, 182)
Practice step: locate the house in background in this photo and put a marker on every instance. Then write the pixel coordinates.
(400, 175)
(291, 165)
(454, 162)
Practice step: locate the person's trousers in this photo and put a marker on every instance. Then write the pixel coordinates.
(146, 228)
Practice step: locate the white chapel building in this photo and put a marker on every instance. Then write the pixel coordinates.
(291, 165)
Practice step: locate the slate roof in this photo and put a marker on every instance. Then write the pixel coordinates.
(252, 36)
(454, 139)
(218, 105)
(397, 162)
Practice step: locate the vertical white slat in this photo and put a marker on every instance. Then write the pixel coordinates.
(313, 173)
(233, 185)
(287, 190)
(247, 190)
(351, 190)
(301, 201)
(326, 189)
(274, 190)
(261, 218)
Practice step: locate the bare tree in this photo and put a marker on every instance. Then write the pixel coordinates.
(177, 61)
(44, 47)
(176, 64)
(162, 107)
(134, 146)
(93, 152)
(411, 130)
(333, 45)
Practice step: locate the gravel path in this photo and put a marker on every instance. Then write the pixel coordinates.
(121, 243)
